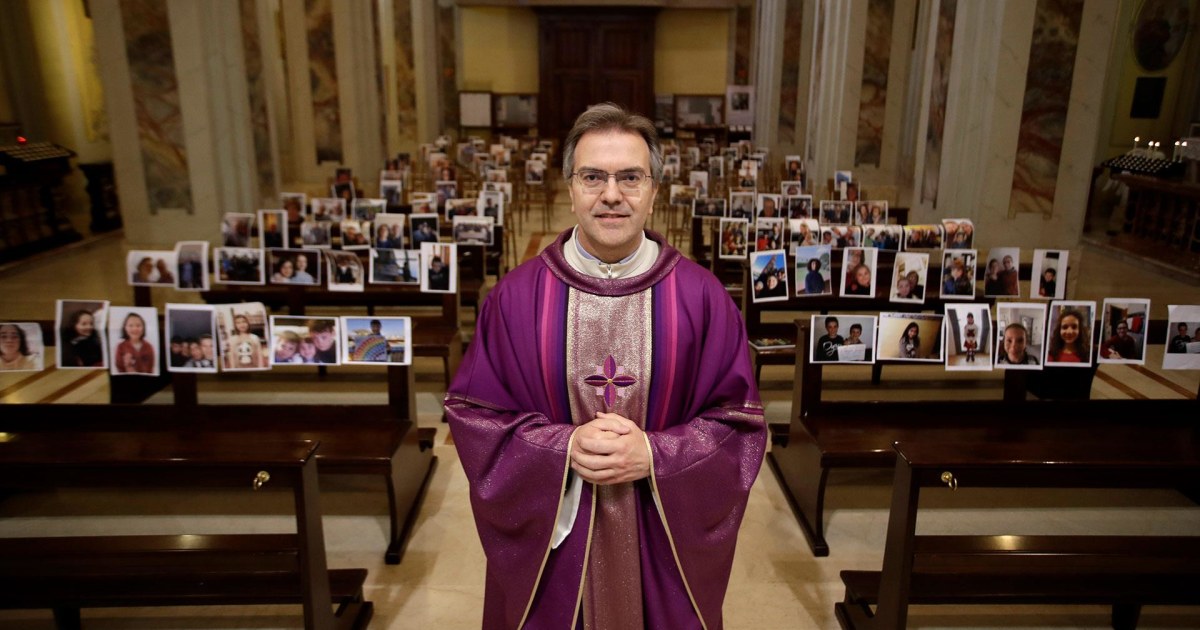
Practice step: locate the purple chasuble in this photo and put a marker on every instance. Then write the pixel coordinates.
(666, 349)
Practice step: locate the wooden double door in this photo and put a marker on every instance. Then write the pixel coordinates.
(589, 56)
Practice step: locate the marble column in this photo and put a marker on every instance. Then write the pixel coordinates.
(834, 89)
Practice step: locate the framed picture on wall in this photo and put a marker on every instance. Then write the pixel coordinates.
(699, 110)
(514, 110)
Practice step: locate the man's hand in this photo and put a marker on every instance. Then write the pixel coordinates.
(610, 450)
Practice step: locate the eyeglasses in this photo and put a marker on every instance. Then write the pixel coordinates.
(594, 180)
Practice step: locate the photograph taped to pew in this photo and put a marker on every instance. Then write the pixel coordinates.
(80, 326)
(376, 340)
(21, 347)
(423, 203)
(295, 266)
(1183, 340)
(343, 190)
(1002, 276)
(316, 234)
(438, 272)
(388, 231)
(191, 265)
(365, 209)
(134, 339)
(848, 338)
(769, 206)
(354, 235)
(804, 232)
(837, 212)
(423, 229)
(395, 266)
(304, 340)
(958, 274)
(858, 267)
(1123, 323)
(968, 337)
(708, 208)
(239, 265)
(792, 189)
(841, 236)
(768, 276)
(882, 237)
(237, 229)
(472, 230)
(798, 206)
(1069, 333)
(870, 212)
(814, 263)
(1020, 329)
(491, 204)
(502, 187)
(741, 205)
(682, 196)
(922, 237)
(241, 329)
(294, 204)
(192, 335)
(734, 239)
(958, 233)
(768, 234)
(392, 192)
(345, 272)
(699, 181)
(535, 172)
(909, 278)
(328, 209)
(272, 229)
(150, 268)
(1049, 278)
(911, 337)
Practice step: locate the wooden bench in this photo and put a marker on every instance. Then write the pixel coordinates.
(1125, 572)
(69, 573)
(823, 435)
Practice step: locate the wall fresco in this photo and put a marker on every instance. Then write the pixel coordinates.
(256, 87)
(323, 80)
(873, 100)
(406, 79)
(789, 86)
(937, 99)
(743, 36)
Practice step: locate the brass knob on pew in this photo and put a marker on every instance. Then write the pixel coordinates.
(948, 479)
(264, 476)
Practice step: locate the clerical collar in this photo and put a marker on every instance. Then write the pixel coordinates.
(639, 262)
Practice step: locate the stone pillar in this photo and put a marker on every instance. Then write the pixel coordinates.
(768, 69)
(836, 81)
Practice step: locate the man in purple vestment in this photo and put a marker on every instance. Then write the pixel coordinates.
(606, 414)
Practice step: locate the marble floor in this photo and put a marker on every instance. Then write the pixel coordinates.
(776, 583)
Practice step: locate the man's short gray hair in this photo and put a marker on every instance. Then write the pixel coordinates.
(610, 117)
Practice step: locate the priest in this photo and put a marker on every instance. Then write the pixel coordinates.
(606, 415)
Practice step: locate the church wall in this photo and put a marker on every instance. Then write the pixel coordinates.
(691, 51)
(499, 49)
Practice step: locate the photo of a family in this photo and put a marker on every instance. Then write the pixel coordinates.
(768, 276)
(191, 265)
(295, 266)
(331, 209)
(798, 206)
(150, 268)
(80, 325)
(741, 205)
(241, 329)
(1020, 329)
(345, 272)
(1069, 333)
(376, 340)
(1123, 323)
(301, 340)
(354, 235)
(846, 339)
(316, 234)
(837, 212)
(473, 230)
(871, 212)
(883, 237)
(191, 332)
(238, 265)
(911, 337)
(968, 337)
(958, 274)
(1183, 337)
(958, 233)
(1001, 277)
(908, 278)
(768, 234)
(133, 337)
(734, 241)
(388, 231)
(237, 228)
(395, 266)
(21, 347)
(922, 237)
(804, 232)
(814, 264)
(858, 269)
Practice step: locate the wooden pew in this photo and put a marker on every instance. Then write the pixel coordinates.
(824, 435)
(66, 574)
(1125, 572)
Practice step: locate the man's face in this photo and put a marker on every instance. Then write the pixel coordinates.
(1183, 329)
(831, 328)
(1014, 344)
(206, 348)
(323, 340)
(1122, 330)
(1008, 263)
(611, 222)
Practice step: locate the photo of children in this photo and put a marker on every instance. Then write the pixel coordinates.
(301, 340)
(1069, 333)
(150, 268)
(191, 265)
(345, 272)
(1183, 341)
(1049, 278)
(1123, 324)
(376, 340)
(847, 339)
(395, 266)
(922, 237)
(1001, 277)
(133, 337)
(958, 233)
(238, 265)
(968, 337)
(1020, 328)
(870, 212)
(241, 329)
(192, 331)
(768, 234)
(272, 229)
(908, 278)
(911, 337)
(438, 272)
(814, 265)
(734, 244)
(958, 274)
(237, 228)
(79, 325)
(21, 347)
(841, 236)
(295, 266)
(768, 276)
(858, 269)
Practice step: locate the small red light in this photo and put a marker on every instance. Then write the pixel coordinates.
(22, 139)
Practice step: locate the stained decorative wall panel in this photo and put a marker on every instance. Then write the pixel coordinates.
(323, 80)
(873, 99)
(406, 81)
(790, 84)
(156, 100)
(256, 87)
(742, 44)
(937, 99)
(1047, 98)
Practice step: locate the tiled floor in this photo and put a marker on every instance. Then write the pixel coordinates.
(776, 582)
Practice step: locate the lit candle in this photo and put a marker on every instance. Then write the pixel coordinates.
(1175, 153)
(1136, 140)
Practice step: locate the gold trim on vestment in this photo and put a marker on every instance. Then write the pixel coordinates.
(667, 528)
(562, 491)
